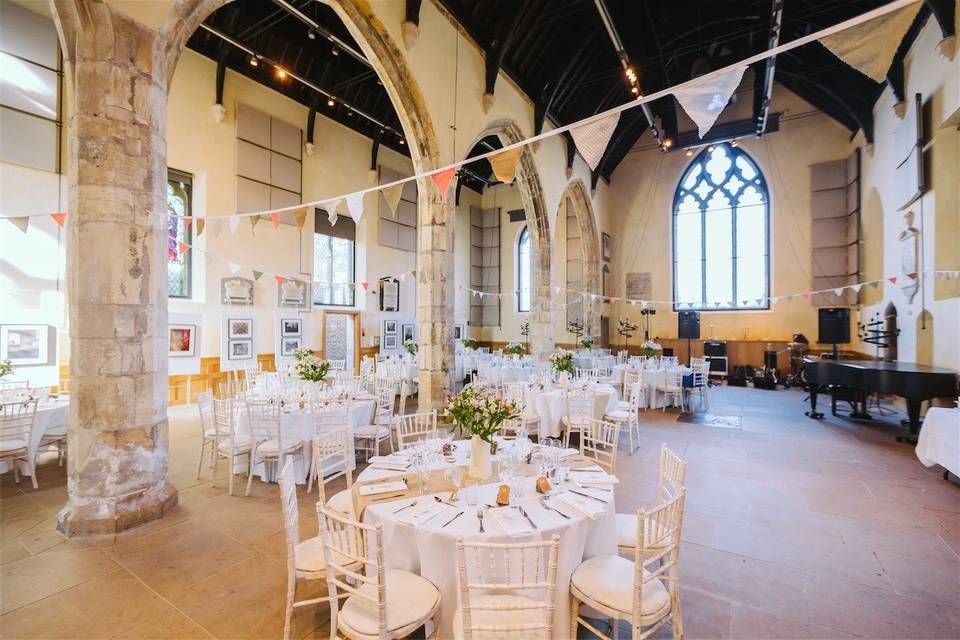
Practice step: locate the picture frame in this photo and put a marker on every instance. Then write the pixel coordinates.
(390, 327)
(389, 294)
(289, 345)
(293, 294)
(458, 331)
(24, 344)
(239, 349)
(605, 246)
(390, 341)
(239, 328)
(236, 290)
(290, 327)
(182, 340)
(409, 332)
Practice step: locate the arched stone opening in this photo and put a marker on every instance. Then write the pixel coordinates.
(117, 74)
(535, 208)
(577, 195)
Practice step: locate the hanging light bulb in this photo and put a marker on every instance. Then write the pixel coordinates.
(281, 73)
(330, 102)
(689, 152)
(253, 61)
(402, 141)
(312, 34)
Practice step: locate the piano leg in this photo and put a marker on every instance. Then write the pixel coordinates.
(913, 415)
(813, 413)
(860, 406)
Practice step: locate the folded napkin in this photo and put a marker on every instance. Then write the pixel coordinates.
(382, 487)
(511, 521)
(590, 508)
(390, 463)
(425, 511)
(592, 475)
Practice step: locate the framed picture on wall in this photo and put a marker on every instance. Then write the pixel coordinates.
(390, 327)
(390, 341)
(239, 349)
(605, 246)
(290, 327)
(183, 338)
(458, 331)
(409, 332)
(24, 344)
(389, 294)
(289, 345)
(239, 328)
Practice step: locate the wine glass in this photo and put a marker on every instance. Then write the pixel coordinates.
(455, 475)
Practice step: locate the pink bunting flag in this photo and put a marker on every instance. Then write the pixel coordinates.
(442, 180)
(60, 217)
(184, 247)
(892, 279)
(279, 280)
(275, 220)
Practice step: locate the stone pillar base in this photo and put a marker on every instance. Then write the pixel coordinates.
(94, 516)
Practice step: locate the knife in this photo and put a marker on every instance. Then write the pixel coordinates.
(451, 519)
(587, 495)
(524, 513)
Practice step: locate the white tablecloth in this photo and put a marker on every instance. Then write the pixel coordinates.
(52, 416)
(939, 441)
(296, 424)
(551, 406)
(430, 550)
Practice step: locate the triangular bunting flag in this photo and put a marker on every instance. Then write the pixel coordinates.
(414, 273)
(505, 164)
(234, 268)
(442, 181)
(759, 301)
(201, 223)
(20, 222)
(60, 217)
(216, 224)
(183, 247)
(187, 221)
(233, 222)
(856, 287)
(705, 100)
(275, 220)
(253, 222)
(392, 197)
(788, 298)
(892, 279)
(592, 138)
(331, 207)
(365, 285)
(355, 206)
(279, 280)
(256, 275)
(875, 284)
(869, 47)
(300, 217)
(839, 291)
(806, 296)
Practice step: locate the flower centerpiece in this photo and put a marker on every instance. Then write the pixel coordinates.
(587, 342)
(469, 343)
(410, 346)
(651, 349)
(562, 361)
(6, 368)
(514, 349)
(481, 413)
(310, 367)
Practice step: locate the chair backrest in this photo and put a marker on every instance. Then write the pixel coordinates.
(205, 407)
(337, 365)
(674, 377)
(347, 544)
(331, 446)
(631, 395)
(673, 472)
(414, 427)
(16, 420)
(579, 404)
(519, 568)
(386, 399)
(386, 382)
(264, 417)
(401, 405)
(598, 441)
(658, 549)
(291, 519)
(516, 391)
(8, 385)
(592, 373)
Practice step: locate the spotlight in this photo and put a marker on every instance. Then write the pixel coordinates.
(281, 73)
(635, 91)
(668, 143)
(335, 51)
(734, 143)
(710, 149)
(689, 152)
(253, 61)
(402, 141)
(312, 34)
(330, 102)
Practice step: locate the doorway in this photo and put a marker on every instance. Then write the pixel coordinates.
(340, 337)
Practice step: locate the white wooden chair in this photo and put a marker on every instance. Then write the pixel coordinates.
(579, 410)
(672, 475)
(337, 365)
(672, 388)
(16, 427)
(269, 445)
(231, 447)
(370, 436)
(506, 590)
(700, 374)
(210, 432)
(592, 373)
(330, 447)
(644, 591)
(598, 442)
(628, 418)
(305, 559)
(629, 384)
(517, 391)
(10, 385)
(381, 603)
(415, 426)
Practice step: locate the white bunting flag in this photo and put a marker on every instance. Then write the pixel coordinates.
(869, 47)
(592, 138)
(233, 222)
(839, 291)
(705, 100)
(234, 268)
(331, 208)
(355, 206)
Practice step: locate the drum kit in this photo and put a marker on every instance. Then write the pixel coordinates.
(797, 348)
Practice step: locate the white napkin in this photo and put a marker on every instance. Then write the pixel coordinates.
(425, 511)
(590, 508)
(390, 463)
(511, 521)
(382, 487)
(592, 475)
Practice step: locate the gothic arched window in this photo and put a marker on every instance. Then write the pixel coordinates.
(523, 270)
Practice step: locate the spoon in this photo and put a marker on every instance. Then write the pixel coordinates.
(480, 518)
(412, 504)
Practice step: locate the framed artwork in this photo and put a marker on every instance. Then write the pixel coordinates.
(290, 327)
(390, 327)
(239, 328)
(24, 343)
(605, 246)
(389, 294)
(458, 331)
(183, 339)
(390, 341)
(289, 345)
(236, 290)
(409, 332)
(239, 349)
(293, 294)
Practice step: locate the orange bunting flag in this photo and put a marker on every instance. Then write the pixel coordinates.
(505, 164)
(365, 285)
(442, 180)
(279, 280)
(275, 220)
(300, 216)
(187, 220)
(60, 217)
(184, 247)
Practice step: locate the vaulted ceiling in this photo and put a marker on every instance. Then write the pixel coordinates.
(562, 55)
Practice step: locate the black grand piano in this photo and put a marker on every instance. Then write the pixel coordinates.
(855, 380)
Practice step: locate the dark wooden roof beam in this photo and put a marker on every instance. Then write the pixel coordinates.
(411, 23)
(776, 18)
(945, 12)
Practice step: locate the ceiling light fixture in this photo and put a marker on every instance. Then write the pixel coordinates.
(253, 61)
(667, 143)
(734, 143)
(281, 73)
(330, 102)
(689, 152)
(311, 34)
(402, 141)
(710, 149)
(335, 51)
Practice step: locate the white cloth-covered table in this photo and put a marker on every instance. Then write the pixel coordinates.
(296, 424)
(939, 441)
(550, 404)
(51, 419)
(430, 549)
(504, 372)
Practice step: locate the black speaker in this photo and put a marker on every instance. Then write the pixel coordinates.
(715, 349)
(689, 324)
(834, 326)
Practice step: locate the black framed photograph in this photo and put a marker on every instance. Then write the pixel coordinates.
(458, 332)
(239, 349)
(605, 246)
(389, 294)
(289, 345)
(239, 328)
(390, 341)
(390, 327)
(409, 332)
(290, 327)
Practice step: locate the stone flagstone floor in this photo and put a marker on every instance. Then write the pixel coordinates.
(794, 529)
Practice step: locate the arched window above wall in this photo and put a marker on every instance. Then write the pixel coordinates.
(524, 266)
(721, 233)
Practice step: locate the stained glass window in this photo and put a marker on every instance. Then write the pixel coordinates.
(721, 239)
(523, 270)
(179, 204)
(333, 262)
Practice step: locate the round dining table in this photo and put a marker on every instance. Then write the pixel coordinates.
(550, 404)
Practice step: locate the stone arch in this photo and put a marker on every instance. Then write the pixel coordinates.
(535, 208)
(118, 74)
(578, 195)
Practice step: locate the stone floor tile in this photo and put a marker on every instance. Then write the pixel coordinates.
(37, 577)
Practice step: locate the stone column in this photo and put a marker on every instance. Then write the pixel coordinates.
(541, 315)
(117, 287)
(435, 294)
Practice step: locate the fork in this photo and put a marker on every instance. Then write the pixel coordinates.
(412, 504)
(480, 518)
(543, 501)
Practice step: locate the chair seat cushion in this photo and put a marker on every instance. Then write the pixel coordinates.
(54, 432)
(341, 502)
(410, 599)
(12, 444)
(372, 431)
(618, 415)
(623, 405)
(627, 532)
(272, 446)
(574, 421)
(309, 556)
(483, 618)
(243, 443)
(609, 581)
